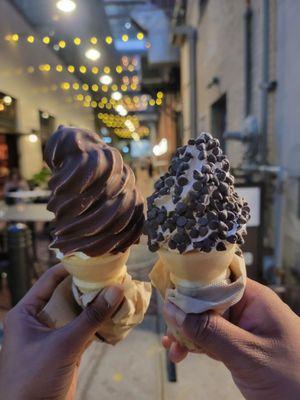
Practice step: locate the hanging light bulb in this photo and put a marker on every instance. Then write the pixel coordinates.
(66, 6)
(93, 54)
(105, 79)
(116, 96)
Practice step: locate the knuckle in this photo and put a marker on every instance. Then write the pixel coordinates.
(96, 315)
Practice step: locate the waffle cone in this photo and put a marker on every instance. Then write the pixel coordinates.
(95, 273)
(197, 267)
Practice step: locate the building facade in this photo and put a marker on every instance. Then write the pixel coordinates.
(246, 63)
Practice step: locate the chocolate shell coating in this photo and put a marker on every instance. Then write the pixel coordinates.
(97, 207)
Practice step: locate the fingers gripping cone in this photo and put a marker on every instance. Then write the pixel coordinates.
(197, 282)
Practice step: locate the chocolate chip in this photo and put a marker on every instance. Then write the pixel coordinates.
(153, 224)
(223, 235)
(203, 231)
(205, 190)
(230, 180)
(216, 151)
(153, 247)
(152, 234)
(196, 245)
(222, 226)
(230, 215)
(210, 145)
(217, 195)
(231, 239)
(197, 175)
(203, 221)
(180, 208)
(197, 186)
(213, 236)
(181, 150)
(240, 240)
(241, 220)
(200, 146)
(193, 196)
(223, 215)
(190, 224)
(164, 191)
(161, 218)
(152, 213)
(204, 199)
(187, 157)
(202, 155)
(158, 185)
(175, 199)
(200, 208)
(226, 165)
(230, 225)
(191, 142)
(205, 169)
(170, 225)
(194, 233)
(178, 190)
(181, 221)
(211, 158)
(199, 140)
(182, 181)
(184, 166)
(172, 244)
(181, 248)
(221, 175)
(221, 157)
(211, 215)
(223, 187)
(213, 224)
(221, 246)
(160, 237)
(181, 237)
(207, 136)
(170, 181)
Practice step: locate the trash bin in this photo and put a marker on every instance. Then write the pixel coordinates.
(19, 250)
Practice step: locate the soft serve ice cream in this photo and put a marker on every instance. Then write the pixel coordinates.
(194, 206)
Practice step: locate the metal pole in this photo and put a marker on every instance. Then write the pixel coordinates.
(265, 84)
(18, 245)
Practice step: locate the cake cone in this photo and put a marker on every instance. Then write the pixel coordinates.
(197, 267)
(95, 273)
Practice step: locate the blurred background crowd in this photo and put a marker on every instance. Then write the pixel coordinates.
(147, 75)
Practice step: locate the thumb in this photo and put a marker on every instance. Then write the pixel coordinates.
(81, 329)
(212, 333)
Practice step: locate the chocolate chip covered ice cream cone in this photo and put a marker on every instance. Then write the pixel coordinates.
(196, 222)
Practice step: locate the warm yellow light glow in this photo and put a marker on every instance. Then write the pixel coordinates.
(125, 38)
(109, 39)
(75, 86)
(140, 36)
(135, 99)
(114, 87)
(30, 70)
(108, 106)
(71, 69)
(106, 70)
(62, 44)
(66, 6)
(30, 39)
(77, 41)
(152, 102)
(158, 102)
(95, 70)
(15, 37)
(160, 95)
(92, 54)
(93, 40)
(123, 88)
(7, 100)
(119, 69)
(80, 97)
(59, 68)
(82, 69)
(2, 107)
(95, 87)
(130, 68)
(33, 138)
(94, 104)
(104, 100)
(65, 86)
(133, 86)
(105, 79)
(104, 88)
(46, 40)
(8, 38)
(88, 98)
(85, 87)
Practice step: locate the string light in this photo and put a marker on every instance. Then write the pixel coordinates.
(95, 70)
(152, 102)
(76, 86)
(92, 54)
(114, 87)
(160, 95)
(46, 40)
(15, 37)
(105, 79)
(106, 70)
(119, 69)
(125, 38)
(108, 39)
(66, 6)
(30, 39)
(82, 69)
(85, 87)
(71, 69)
(77, 41)
(140, 36)
(93, 40)
(95, 88)
(62, 44)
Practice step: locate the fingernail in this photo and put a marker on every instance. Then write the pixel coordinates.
(175, 313)
(113, 295)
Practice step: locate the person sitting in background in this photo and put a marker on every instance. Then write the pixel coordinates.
(13, 184)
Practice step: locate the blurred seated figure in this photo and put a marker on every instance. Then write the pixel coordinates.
(13, 184)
